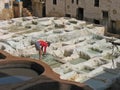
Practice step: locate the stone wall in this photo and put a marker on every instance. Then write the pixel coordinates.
(55, 10)
(90, 11)
(6, 14)
(37, 6)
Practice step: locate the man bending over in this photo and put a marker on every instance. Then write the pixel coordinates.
(41, 46)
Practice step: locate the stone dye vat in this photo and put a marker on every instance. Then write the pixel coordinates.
(48, 59)
(18, 72)
(29, 74)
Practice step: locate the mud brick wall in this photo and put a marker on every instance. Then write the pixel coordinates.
(6, 14)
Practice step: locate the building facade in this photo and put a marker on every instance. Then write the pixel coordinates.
(105, 12)
(6, 11)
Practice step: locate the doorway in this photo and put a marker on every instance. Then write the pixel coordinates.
(44, 10)
(113, 27)
(80, 13)
(27, 4)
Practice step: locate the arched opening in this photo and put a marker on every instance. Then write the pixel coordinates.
(27, 4)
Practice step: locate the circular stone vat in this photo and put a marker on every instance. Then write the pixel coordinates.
(18, 72)
(2, 56)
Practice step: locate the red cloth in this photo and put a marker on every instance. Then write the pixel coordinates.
(43, 45)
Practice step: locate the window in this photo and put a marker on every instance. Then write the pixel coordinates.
(68, 6)
(96, 3)
(72, 1)
(54, 2)
(105, 14)
(77, 2)
(6, 5)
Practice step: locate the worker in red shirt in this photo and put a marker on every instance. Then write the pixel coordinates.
(41, 46)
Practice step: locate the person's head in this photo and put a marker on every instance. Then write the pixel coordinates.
(48, 43)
